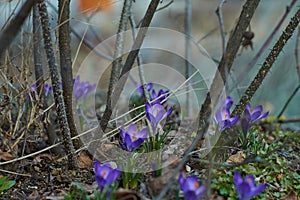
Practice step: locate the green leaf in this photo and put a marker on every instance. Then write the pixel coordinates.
(5, 184)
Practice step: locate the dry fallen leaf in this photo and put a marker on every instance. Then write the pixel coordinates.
(236, 158)
(84, 161)
(291, 196)
(123, 194)
(34, 195)
(5, 156)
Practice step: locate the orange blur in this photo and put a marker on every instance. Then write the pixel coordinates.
(89, 6)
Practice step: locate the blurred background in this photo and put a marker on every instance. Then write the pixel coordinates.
(96, 26)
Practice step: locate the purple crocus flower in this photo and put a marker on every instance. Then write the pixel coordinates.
(191, 187)
(132, 139)
(47, 88)
(224, 120)
(82, 89)
(252, 115)
(156, 113)
(105, 174)
(246, 187)
(141, 90)
(157, 98)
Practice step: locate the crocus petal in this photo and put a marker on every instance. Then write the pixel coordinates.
(247, 114)
(149, 86)
(234, 120)
(153, 121)
(257, 190)
(148, 108)
(143, 133)
(122, 133)
(128, 142)
(190, 195)
(112, 176)
(237, 178)
(139, 88)
(167, 113)
(263, 115)
(228, 102)
(191, 183)
(131, 128)
(218, 116)
(257, 109)
(243, 190)
(137, 143)
(255, 115)
(181, 179)
(250, 180)
(200, 191)
(225, 114)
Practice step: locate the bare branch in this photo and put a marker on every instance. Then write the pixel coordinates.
(130, 59)
(66, 64)
(58, 97)
(117, 62)
(139, 58)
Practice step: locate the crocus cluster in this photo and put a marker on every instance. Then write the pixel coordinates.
(105, 174)
(155, 113)
(191, 188)
(252, 115)
(81, 89)
(132, 138)
(246, 187)
(156, 109)
(222, 117)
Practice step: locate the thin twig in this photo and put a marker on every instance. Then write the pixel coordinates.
(139, 58)
(165, 6)
(222, 28)
(15, 173)
(188, 28)
(117, 62)
(37, 52)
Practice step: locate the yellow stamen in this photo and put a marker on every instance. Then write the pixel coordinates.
(249, 180)
(104, 173)
(196, 185)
